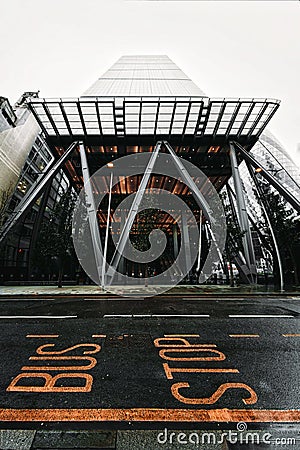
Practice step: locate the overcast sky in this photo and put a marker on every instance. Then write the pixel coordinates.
(229, 49)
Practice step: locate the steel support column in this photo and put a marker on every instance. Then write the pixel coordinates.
(92, 213)
(122, 267)
(268, 176)
(35, 192)
(200, 241)
(175, 241)
(124, 235)
(106, 233)
(263, 206)
(190, 183)
(37, 225)
(185, 242)
(243, 216)
(239, 259)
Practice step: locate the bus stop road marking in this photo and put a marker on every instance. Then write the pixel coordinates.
(149, 415)
(244, 335)
(291, 335)
(42, 336)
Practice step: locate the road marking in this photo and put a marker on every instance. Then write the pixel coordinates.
(114, 299)
(180, 315)
(217, 299)
(215, 396)
(141, 315)
(92, 363)
(99, 335)
(38, 317)
(26, 299)
(150, 415)
(50, 383)
(244, 335)
(154, 315)
(291, 335)
(42, 335)
(167, 342)
(181, 335)
(262, 316)
(169, 370)
(108, 316)
(221, 357)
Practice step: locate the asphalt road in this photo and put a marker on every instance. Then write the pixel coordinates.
(150, 360)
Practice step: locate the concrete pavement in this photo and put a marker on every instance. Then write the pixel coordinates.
(91, 290)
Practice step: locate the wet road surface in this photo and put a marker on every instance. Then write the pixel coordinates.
(150, 360)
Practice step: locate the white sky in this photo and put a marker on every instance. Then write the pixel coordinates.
(229, 49)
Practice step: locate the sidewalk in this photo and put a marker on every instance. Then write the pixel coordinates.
(159, 439)
(200, 290)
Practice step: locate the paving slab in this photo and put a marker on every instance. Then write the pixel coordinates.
(48, 440)
(16, 439)
(170, 440)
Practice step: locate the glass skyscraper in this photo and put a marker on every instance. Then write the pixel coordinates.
(138, 101)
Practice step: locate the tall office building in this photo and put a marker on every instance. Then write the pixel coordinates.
(18, 131)
(144, 76)
(139, 101)
(24, 157)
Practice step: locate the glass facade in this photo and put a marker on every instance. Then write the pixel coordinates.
(138, 101)
(144, 76)
(18, 131)
(17, 247)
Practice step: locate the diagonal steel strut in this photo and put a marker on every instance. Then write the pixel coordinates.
(91, 209)
(190, 183)
(34, 192)
(197, 194)
(243, 216)
(294, 201)
(139, 195)
(134, 209)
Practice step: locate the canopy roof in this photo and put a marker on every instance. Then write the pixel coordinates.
(161, 117)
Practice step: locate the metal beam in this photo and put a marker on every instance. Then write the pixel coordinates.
(92, 210)
(197, 194)
(240, 259)
(175, 241)
(186, 119)
(268, 176)
(258, 119)
(106, 233)
(185, 242)
(81, 118)
(246, 118)
(124, 235)
(262, 202)
(35, 192)
(61, 106)
(278, 162)
(190, 183)
(200, 241)
(243, 216)
(233, 117)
